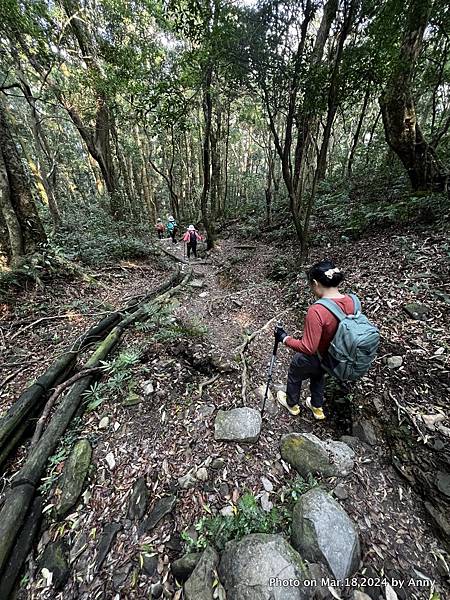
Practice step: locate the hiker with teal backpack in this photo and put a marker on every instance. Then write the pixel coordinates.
(337, 338)
(172, 229)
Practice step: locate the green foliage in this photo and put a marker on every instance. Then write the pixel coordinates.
(119, 372)
(176, 330)
(249, 518)
(61, 454)
(350, 214)
(95, 239)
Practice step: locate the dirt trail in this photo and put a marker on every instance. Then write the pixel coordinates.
(169, 432)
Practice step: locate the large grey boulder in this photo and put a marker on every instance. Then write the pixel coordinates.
(323, 532)
(199, 586)
(237, 425)
(308, 454)
(255, 568)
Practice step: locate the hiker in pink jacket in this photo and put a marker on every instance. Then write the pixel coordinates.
(191, 237)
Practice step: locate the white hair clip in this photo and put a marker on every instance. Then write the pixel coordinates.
(331, 272)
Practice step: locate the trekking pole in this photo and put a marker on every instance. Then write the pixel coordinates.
(270, 369)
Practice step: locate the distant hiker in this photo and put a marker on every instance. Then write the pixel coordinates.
(172, 229)
(191, 237)
(159, 228)
(355, 343)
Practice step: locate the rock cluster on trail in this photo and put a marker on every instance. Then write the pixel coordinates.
(322, 531)
(237, 425)
(310, 455)
(247, 566)
(74, 476)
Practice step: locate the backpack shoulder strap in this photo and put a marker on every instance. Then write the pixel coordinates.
(333, 308)
(356, 302)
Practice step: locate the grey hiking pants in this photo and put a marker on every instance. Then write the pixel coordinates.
(304, 366)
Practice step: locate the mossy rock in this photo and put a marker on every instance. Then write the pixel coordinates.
(74, 476)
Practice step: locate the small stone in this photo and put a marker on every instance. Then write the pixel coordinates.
(443, 482)
(199, 586)
(394, 362)
(120, 575)
(183, 567)
(224, 489)
(265, 502)
(162, 507)
(340, 492)
(187, 481)
(217, 464)
(138, 500)
(197, 283)
(202, 474)
(149, 564)
(268, 486)
(148, 388)
(203, 295)
(156, 590)
(111, 461)
(227, 511)
(365, 432)
(132, 399)
(109, 533)
(55, 561)
(238, 424)
(416, 311)
(104, 423)
(206, 410)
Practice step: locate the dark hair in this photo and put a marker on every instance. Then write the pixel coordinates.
(318, 271)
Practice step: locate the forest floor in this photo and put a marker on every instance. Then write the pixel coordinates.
(167, 433)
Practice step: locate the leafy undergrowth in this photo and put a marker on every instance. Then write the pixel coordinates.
(248, 517)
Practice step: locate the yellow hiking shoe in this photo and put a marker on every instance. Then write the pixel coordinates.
(282, 399)
(317, 412)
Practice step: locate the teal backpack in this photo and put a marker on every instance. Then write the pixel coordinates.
(354, 345)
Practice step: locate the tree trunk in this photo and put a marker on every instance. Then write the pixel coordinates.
(357, 133)
(401, 127)
(43, 152)
(207, 114)
(19, 212)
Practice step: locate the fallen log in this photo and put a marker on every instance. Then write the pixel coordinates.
(28, 477)
(31, 401)
(22, 548)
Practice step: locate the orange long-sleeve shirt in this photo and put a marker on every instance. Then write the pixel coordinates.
(319, 328)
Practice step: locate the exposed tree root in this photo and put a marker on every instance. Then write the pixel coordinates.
(205, 383)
